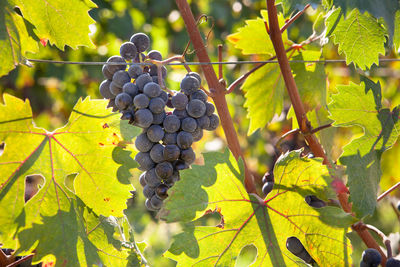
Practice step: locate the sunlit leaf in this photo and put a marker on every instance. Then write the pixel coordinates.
(361, 105)
(253, 37)
(218, 186)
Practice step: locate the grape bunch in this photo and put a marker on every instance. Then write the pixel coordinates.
(171, 122)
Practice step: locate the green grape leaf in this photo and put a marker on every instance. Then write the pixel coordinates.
(87, 239)
(396, 38)
(264, 91)
(85, 146)
(247, 219)
(310, 78)
(15, 40)
(61, 22)
(360, 37)
(253, 37)
(361, 105)
(385, 9)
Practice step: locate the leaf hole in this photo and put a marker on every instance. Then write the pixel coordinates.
(33, 183)
(314, 202)
(247, 256)
(69, 181)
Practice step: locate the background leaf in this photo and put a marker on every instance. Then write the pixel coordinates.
(361, 105)
(360, 37)
(253, 37)
(247, 220)
(264, 90)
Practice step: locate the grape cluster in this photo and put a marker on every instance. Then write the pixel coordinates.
(171, 122)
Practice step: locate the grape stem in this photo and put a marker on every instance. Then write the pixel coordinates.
(387, 192)
(217, 90)
(305, 126)
(21, 260)
(294, 18)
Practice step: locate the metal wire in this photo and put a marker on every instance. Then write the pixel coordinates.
(201, 63)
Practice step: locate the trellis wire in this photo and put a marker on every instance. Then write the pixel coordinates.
(202, 63)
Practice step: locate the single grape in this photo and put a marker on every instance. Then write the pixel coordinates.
(128, 50)
(144, 160)
(196, 108)
(121, 77)
(152, 89)
(214, 122)
(372, 257)
(181, 114)
(197, 134)
(170, 181)
(154, 71)
(179, 101)
(105, 89)
(162, 191)
(199, 95)
(151, 178)
(267, 188)
(156, 153)
(149, 206)
(170, 138)
(203, 122)
(154, 54)
(142, 80)
(156, 202)
(142, 181)
(127, 115)
(189, 124)
(135, 70)
(141, 41)
(107, 74)
(164, 96)
(189, 84)
(184, 140)
(148, 191)
(171, 124)
(141, 101)
(159, 118)
(155, 133)
(131, 89)
(114, 68)
(143, 118)
(294, 245)
(164, 170)
(314, 202)
(180, 165)
(268, 177)
(196, 75)
(123, 101)
(171, 152)
(142, 143)
(210, 108)
(115, 89)
(157, 105)
(392, 262)
(111, 104)
(188, 155)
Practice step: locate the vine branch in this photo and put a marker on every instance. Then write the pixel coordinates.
(217, 90)
(305, 125)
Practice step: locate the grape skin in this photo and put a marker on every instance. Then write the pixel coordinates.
(107, 74)
(114, 68)
(196, 108)
(171, 152)
(189, 124)
(148, 191)
(154, 54)
(159, 118)
(152, 89)
(164, 170)
(131, 89)
(188, 156)
(171, 124)
(128, 51)
(157, 105)
(151, 178)
(184, 140)
(142, 143)
(105, 89)
(120, 78)
(135, 71)
(142, 80)
(141, 41)
(155, 133)
(156, 202)
(179, 101)
(123, 101)
(199, 95)
(144, 160)
(156, 153)
(170, 138)
(141, 101)
(189, 84)
(115, 89)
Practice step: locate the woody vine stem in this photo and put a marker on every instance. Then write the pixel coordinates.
(218, 92)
